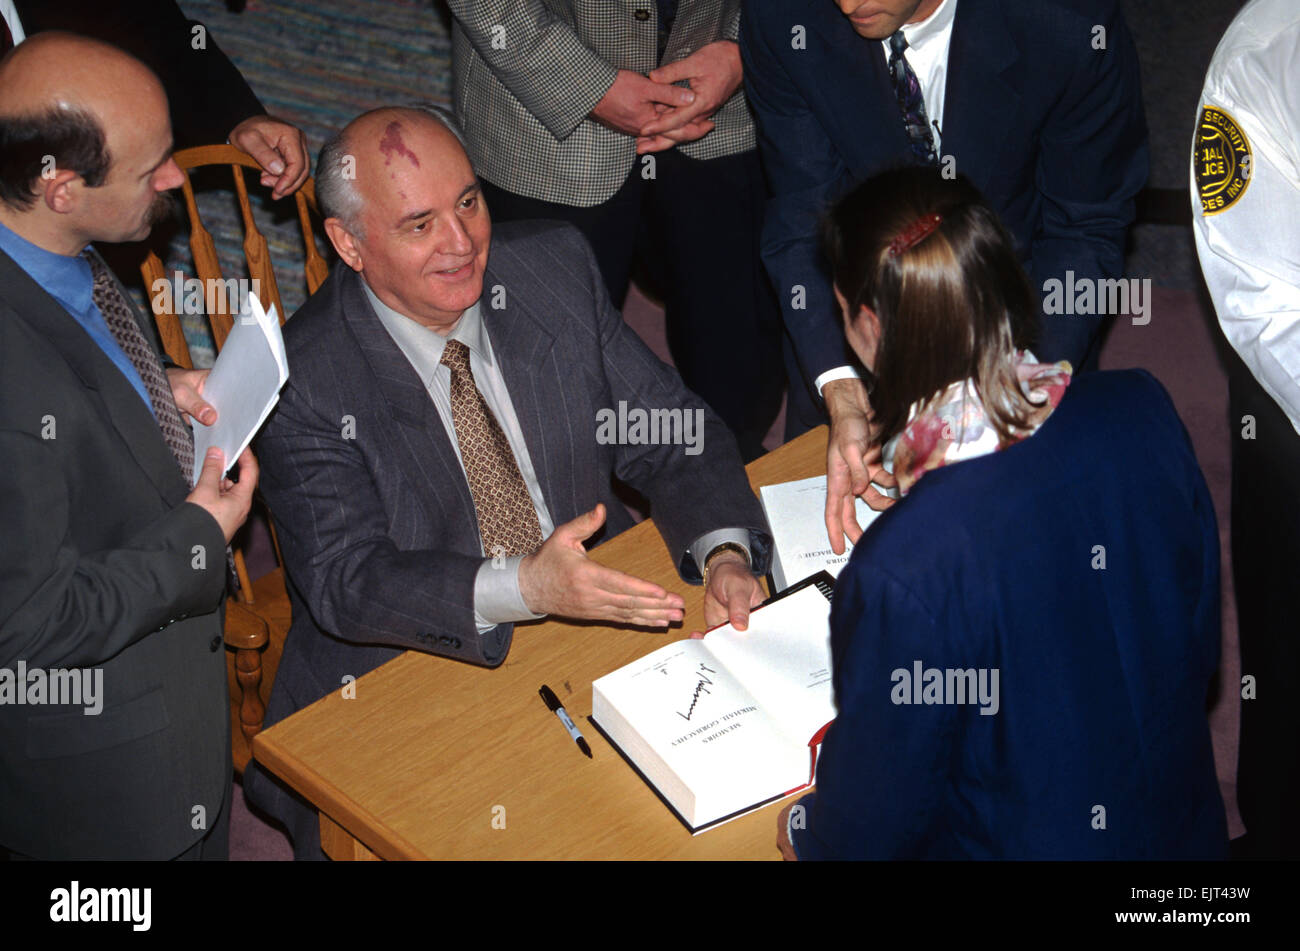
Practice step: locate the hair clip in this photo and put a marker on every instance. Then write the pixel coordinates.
(915, 233)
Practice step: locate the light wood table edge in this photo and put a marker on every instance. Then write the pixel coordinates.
(336, 809)
(342, 819)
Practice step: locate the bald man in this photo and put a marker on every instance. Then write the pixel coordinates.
(444, 448)
(210, 100)
(114, 723)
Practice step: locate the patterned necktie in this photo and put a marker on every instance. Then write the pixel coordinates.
(118, 316)
(910, 101)
(507, 519)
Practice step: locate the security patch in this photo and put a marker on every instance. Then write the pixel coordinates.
(1221, 160)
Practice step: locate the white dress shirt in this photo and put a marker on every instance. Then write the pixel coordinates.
(927, 54)
(1248, 238)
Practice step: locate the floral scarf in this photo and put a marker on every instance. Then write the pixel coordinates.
(952, 426)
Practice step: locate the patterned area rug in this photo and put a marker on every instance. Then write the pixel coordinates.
(317, 65)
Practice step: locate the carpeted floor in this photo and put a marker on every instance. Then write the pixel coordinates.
(320, 62)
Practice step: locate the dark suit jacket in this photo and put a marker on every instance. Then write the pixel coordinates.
(377, 525)
(98, 570)
(1050, 129)
(1103, 671)
(207, 94)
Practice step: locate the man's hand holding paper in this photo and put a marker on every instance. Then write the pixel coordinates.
(242, 387)
(187, 391)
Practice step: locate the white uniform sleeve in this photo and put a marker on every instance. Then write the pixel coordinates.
(1249, 244)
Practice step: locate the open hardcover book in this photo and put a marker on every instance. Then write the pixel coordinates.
(725, 724)
(244, 384)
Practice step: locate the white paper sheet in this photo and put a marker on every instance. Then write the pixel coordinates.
(244, 384)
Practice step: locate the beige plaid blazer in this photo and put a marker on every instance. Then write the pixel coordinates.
(527, 72)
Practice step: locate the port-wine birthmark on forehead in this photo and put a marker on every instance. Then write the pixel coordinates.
(391, 144)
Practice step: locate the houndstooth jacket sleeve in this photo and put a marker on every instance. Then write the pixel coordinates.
(526, 73)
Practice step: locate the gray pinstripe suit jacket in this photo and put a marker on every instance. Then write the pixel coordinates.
(527, 72)
(377, 524)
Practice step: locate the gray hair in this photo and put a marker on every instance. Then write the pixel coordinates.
(336, 190)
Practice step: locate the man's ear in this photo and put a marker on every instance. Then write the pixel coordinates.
(61, 190)
(872, 319)
(345, 243)
(863, 333)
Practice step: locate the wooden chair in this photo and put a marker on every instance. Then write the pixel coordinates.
(257, 620)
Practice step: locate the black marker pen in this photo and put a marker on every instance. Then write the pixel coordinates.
(553, 704)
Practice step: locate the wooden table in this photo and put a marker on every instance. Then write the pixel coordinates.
(439, 759)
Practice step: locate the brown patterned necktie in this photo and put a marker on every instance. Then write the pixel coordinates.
(507, 519)
(117, 314)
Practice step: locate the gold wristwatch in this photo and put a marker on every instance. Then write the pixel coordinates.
(719, 549)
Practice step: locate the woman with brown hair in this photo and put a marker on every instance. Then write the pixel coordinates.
(1023, 644)
(960, 316)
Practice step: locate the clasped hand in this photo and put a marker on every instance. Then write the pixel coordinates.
(660, 115)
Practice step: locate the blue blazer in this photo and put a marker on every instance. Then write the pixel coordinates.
(1050, 129)
(1083, 566)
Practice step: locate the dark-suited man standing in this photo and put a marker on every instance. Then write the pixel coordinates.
(626, 118)
(437, 459)
(114, 722)
(1038, 104)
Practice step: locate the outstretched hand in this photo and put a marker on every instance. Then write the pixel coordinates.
(560, 579)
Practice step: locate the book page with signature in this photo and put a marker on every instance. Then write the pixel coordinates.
(696, 732)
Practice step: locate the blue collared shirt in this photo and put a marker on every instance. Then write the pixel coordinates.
(70, 282)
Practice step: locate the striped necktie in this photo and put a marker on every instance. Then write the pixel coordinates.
(911, 102)
(507, 518)
(117, 314)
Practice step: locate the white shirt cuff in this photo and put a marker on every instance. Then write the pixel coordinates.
(837, 373)
(721, 536)
(497, 599)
